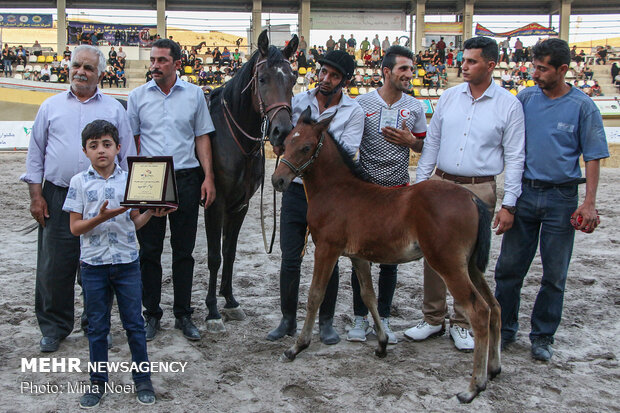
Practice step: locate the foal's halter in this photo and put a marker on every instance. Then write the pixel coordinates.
(300, 171)
(268, 113)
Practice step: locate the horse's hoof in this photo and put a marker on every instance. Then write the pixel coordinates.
(233, 314)
(287, 356)
(468, 396)
(216, 326)
(381, 353)
(494, 373)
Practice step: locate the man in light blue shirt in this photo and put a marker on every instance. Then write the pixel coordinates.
(561, 124)
(54, 156)
(170, 117)
(347, 128)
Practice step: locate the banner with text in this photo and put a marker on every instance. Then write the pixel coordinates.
(357, 20)
(532, 29)
(454, 29)
(114, 34)
(17, 20)
(15, 134)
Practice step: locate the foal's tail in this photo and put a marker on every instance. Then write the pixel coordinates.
(483, 241)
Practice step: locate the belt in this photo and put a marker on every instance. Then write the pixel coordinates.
(464, 179)
(535, 183)
(185, 172)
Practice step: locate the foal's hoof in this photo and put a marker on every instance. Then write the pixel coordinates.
(233, 314)
(287, 356)
(468, 396)
(494, 373)
(216, 326)
(381, 353)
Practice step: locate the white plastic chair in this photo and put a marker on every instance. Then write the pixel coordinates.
(432, 92)
(19, 68)
(54, 78)
(17, 76)
(32, 59)
(424, 92)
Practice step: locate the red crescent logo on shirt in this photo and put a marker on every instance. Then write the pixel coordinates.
(370, 114)
(404, 113)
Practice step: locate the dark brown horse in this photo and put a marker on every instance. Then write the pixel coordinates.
(443, 222)
(256, 99)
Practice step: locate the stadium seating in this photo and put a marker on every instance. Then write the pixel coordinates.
(440, 91)
(185, 78)
(432, 92)
(302, 71)
(40, 59)
(416, 82)
(54, 78)
(424, 92)
(19, 68)
(49, 59)
(188, 70)
(17, 76)
(37, 68)
(32, 59)
(28, 68)
(354, 91)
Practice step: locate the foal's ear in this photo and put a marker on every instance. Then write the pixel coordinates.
(322, 125)
(306, 116)
(291, 47)
(263, 43)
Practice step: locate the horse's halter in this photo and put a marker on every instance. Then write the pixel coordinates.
(264, 112)
(300, 171)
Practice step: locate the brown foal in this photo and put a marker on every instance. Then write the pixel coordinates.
(442, 222)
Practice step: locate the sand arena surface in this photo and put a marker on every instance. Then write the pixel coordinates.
(239, 371)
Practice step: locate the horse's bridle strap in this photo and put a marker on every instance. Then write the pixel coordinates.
(300, 171)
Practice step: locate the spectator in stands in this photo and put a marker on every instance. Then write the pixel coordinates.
(358, 80)
(330, 44)
(441, 50)
(601, 55)
(112, 57)
(588, 73)
(342, 43)
(121, 56)
(365, 45)
(303, 45)
(217, 56)
(7, 61)
(396, 41)
(523, 71)
(617, 82)
(149, 77)
(202, 77)
(21, 55)
(210, 78)
(196, 66)
(573, 54)
(443, 77)
(367, 58)
(107, 77)
(385, 44)
(615, 70)
(66, 62)
(55, 65)
(67, 53)
(218, 75)
(236, 55)
(36, 76)
(376, 80)
(427, 79)
(367, 79)
(518, 50)
(459, 63)
(63, 75)
(120, 76)
(209, 53)
(432, 48)
(46, 73)
(37, 50)
(450, 57)
(376, 43)
(26, 74)
(507, 80)
(375, 57)
(596, 89)
(351, 44)
(505, 46)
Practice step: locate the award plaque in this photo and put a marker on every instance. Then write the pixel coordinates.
(151, 183)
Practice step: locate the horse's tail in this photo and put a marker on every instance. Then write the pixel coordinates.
(483, 241)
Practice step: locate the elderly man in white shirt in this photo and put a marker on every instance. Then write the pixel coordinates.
(347, 128)
(477, 131)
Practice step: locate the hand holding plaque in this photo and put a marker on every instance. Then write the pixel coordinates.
(151, 183)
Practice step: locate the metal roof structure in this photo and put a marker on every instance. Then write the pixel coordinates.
(433, 7)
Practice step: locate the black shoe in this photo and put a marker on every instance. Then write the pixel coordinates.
(185, 324)
(327, 332)
(287, 327)
(49, 344)
(541, 348)
(506, 342)
(93, 396)
(145, 393)
(151, 327)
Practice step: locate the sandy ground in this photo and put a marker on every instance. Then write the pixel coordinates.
(239, 371)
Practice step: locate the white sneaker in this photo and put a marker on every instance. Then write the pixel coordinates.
(388, 330)
(462, 337)
(359, 330)
(423, 331)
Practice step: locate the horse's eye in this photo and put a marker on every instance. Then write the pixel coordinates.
(306, 149)
(262, 79)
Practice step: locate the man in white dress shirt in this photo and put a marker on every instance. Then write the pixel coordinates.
(477, 131)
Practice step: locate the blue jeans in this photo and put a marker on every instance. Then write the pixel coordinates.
(542, 213)
(124, 279)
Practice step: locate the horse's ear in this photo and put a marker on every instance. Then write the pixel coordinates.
(322, 125)
(263, 43)
(291, 47)
(306, 116)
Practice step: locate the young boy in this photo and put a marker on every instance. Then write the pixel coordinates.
(109, 256)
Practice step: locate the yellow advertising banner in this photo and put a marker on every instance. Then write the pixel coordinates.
(454, 29)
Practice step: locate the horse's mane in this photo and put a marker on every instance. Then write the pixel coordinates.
(231, 91)
(353, 166)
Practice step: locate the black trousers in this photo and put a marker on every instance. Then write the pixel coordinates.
(293, 225)
(58, 255)
(183, 223)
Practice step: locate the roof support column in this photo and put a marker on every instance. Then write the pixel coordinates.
(420, 11)
(257, 16)
(565, 10)
(304, 20)
(61, 26)
(161, 18)
(468, 19)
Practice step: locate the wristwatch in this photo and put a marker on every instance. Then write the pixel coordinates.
(511, 209)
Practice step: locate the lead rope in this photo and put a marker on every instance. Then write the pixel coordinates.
(268, 248)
